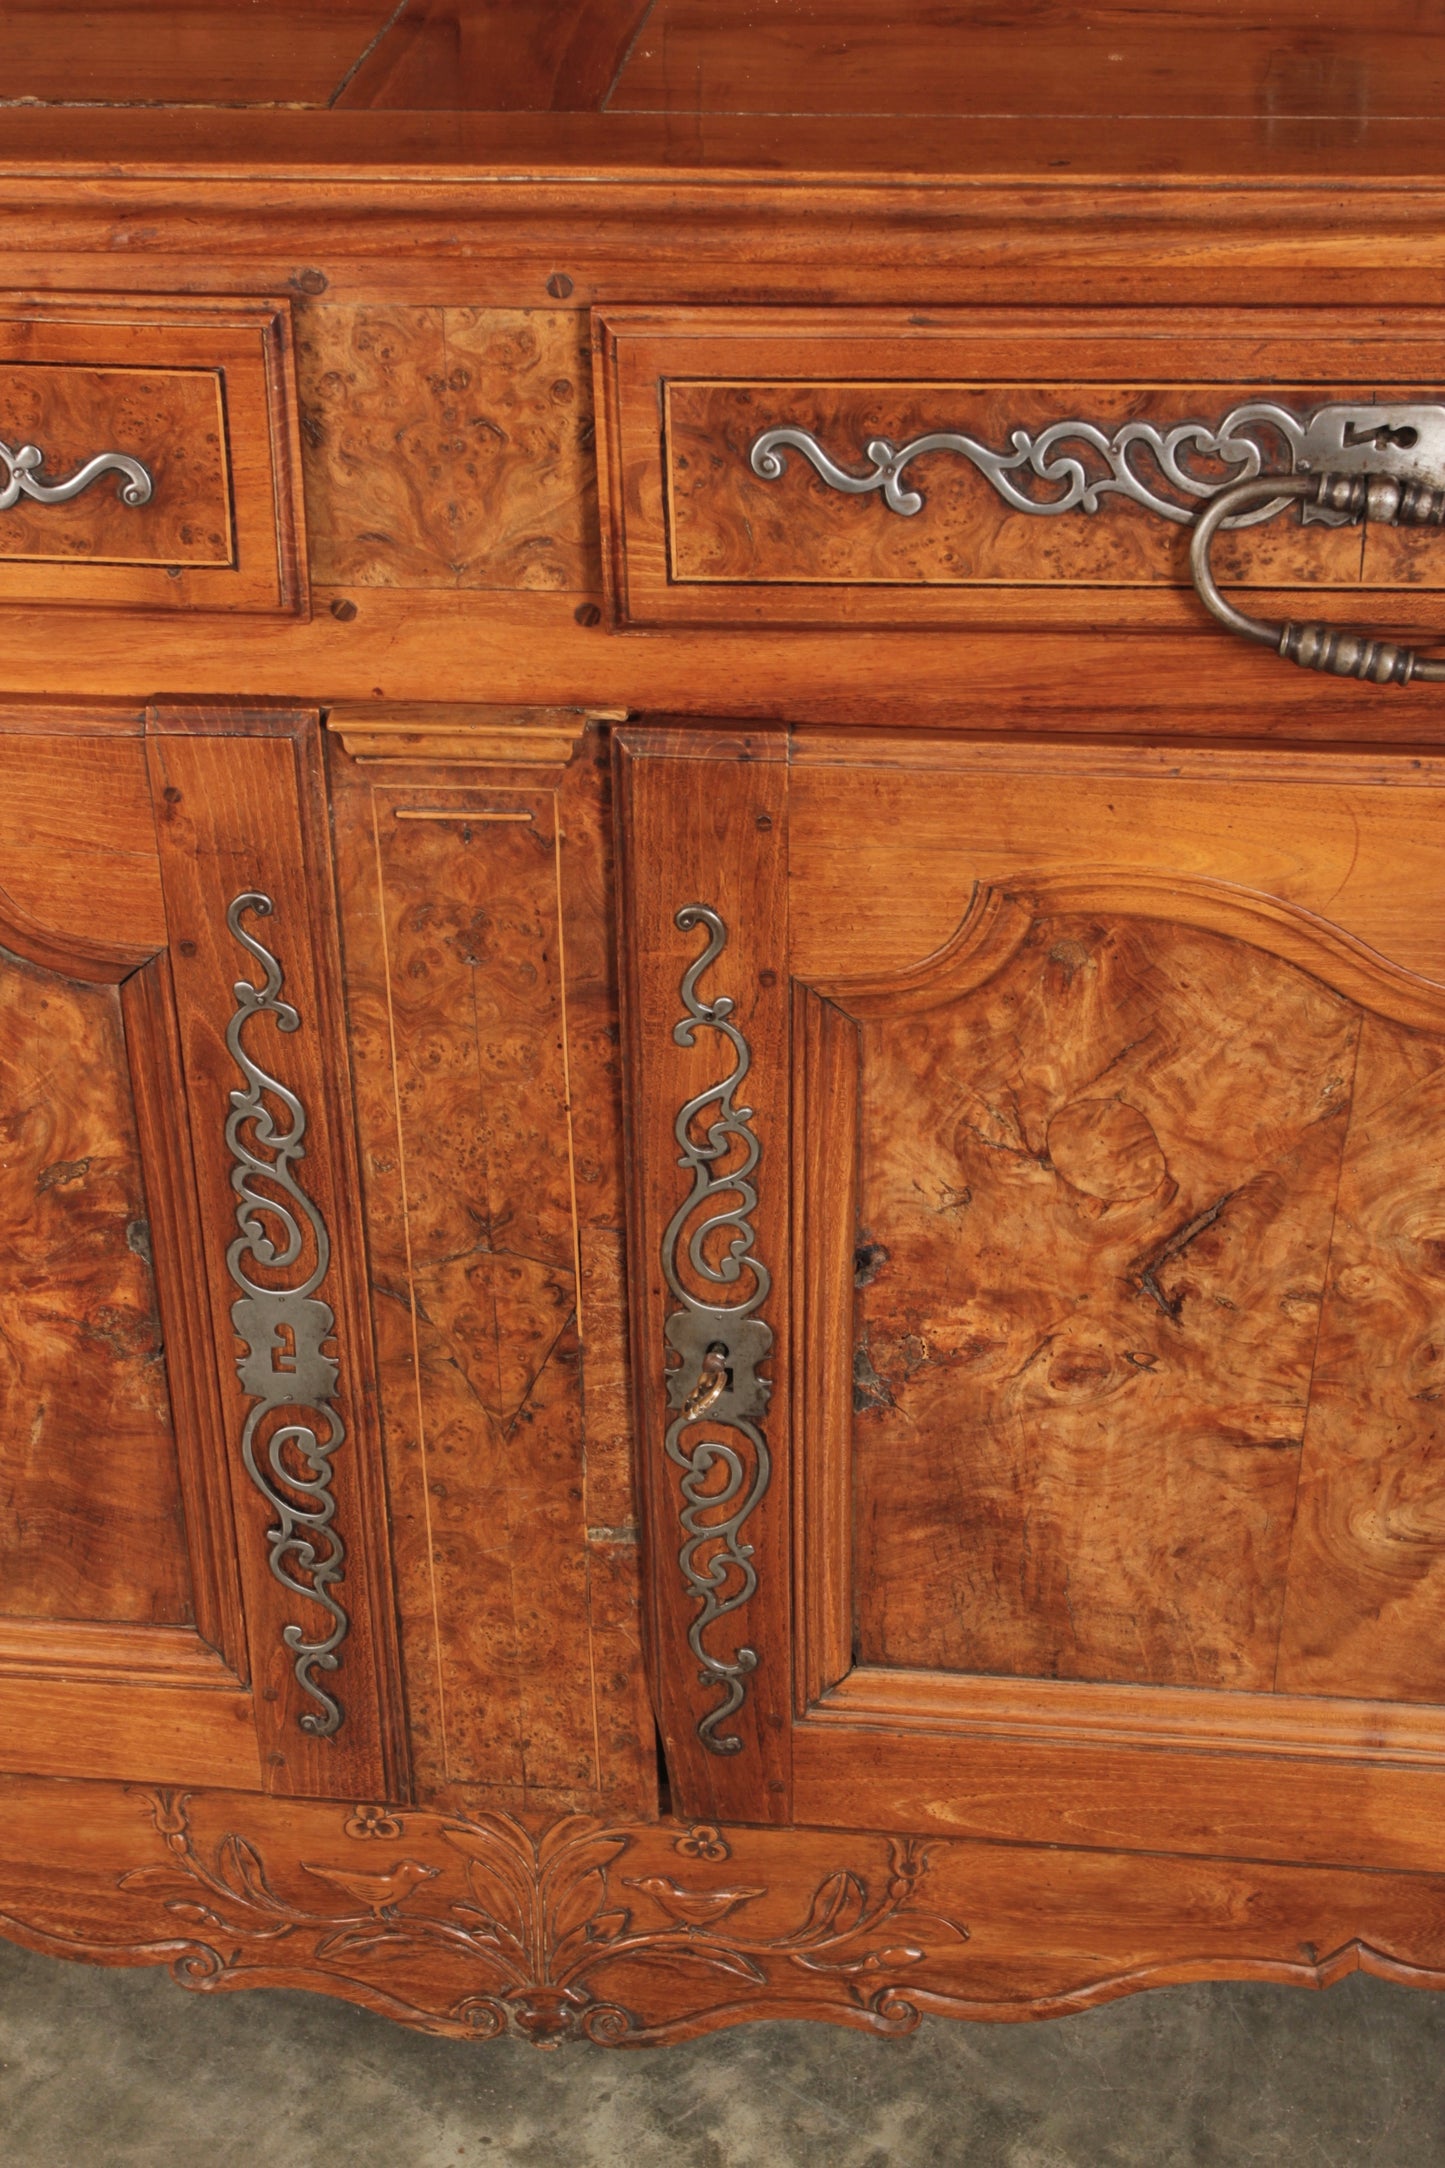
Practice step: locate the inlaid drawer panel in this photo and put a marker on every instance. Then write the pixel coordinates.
(167, 464)
(755, 468)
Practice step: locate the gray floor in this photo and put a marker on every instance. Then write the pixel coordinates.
(125, 2070)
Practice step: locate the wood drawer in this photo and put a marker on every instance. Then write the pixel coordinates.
(200, 392)
(695, 535)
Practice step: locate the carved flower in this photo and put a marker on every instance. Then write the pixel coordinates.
(703, 1841)
(371, 1821)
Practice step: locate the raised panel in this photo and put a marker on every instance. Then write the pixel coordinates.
(1097, 1195)
(91, 1523)
(196, 394)
(759, 465)
(1095, 1202)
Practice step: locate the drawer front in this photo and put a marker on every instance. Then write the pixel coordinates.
(1087, 442)
(167, 466)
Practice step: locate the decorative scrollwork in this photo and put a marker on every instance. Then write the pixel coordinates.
(1232, 442)
(718, 1344)
(284, 1328)
(495, 1929)
(24, 478)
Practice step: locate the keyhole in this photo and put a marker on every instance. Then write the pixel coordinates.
(283, 1354)
(1382, 438)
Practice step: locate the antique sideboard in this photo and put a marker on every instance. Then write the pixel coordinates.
(722, 1264)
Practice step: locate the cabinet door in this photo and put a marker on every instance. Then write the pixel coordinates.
(1079, 1193)
(192, 1557)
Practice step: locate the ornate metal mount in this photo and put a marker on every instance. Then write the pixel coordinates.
(24, 478)
(719, 1345)
(1408, 441)
(284, 1369)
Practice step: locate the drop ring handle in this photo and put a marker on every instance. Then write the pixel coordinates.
(1332, 648)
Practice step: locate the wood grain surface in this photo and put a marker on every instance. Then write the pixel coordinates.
(483, 1018)
(90, 1501)
(1095, 1210)
(198, 389)
(631, 1933)
(172, 420)
(851, 57)
(497, 55)
(694, 536)
(448, 447)
(191, 52)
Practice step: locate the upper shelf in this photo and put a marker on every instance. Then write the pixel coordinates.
(1269, 86)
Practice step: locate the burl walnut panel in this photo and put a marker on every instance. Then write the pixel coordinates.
(485, 1026)
(727, 524)
(1096, 1202)
(448, 447)
(173, 420)
(90, 1498)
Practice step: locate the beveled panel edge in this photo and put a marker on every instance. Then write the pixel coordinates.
(1200, 1719)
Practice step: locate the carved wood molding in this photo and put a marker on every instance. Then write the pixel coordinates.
(506, 737)
(1000, 915)
(637, 1934)
(496, 1930)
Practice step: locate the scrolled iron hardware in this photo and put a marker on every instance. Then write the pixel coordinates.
(1331, 648)
(718, 1345)
(283, 1369)
(136, 487)
(1339, 439)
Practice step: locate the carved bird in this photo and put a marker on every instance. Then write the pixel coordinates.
(380, 1893)
(692, 1907)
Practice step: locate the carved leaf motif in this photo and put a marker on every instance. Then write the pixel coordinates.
(838, 1905)
(578, 1905)
(501, 1882)
(361, 1941)
(196, 1915)
(572, 1830)
(140, 1880)
(533, 1980)
(890, 1960)
(243, 1873)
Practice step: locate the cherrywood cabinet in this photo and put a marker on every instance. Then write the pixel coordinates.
(720, 1191)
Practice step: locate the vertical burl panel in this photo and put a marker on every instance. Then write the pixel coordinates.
(1366, 1607)
(90, 1496)
(484, 1027)
(1096, 1200)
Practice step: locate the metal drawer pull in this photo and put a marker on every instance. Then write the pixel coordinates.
(1343, 498)
(136, 486)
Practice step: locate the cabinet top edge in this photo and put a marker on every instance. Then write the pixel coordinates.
(390, 149)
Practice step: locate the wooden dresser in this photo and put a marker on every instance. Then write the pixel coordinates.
(722, 1207)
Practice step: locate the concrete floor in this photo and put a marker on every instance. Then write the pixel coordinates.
(125, 2070)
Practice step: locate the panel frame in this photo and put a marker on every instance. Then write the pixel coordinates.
(246, 343)
(638, 352)
(1321, 1778)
